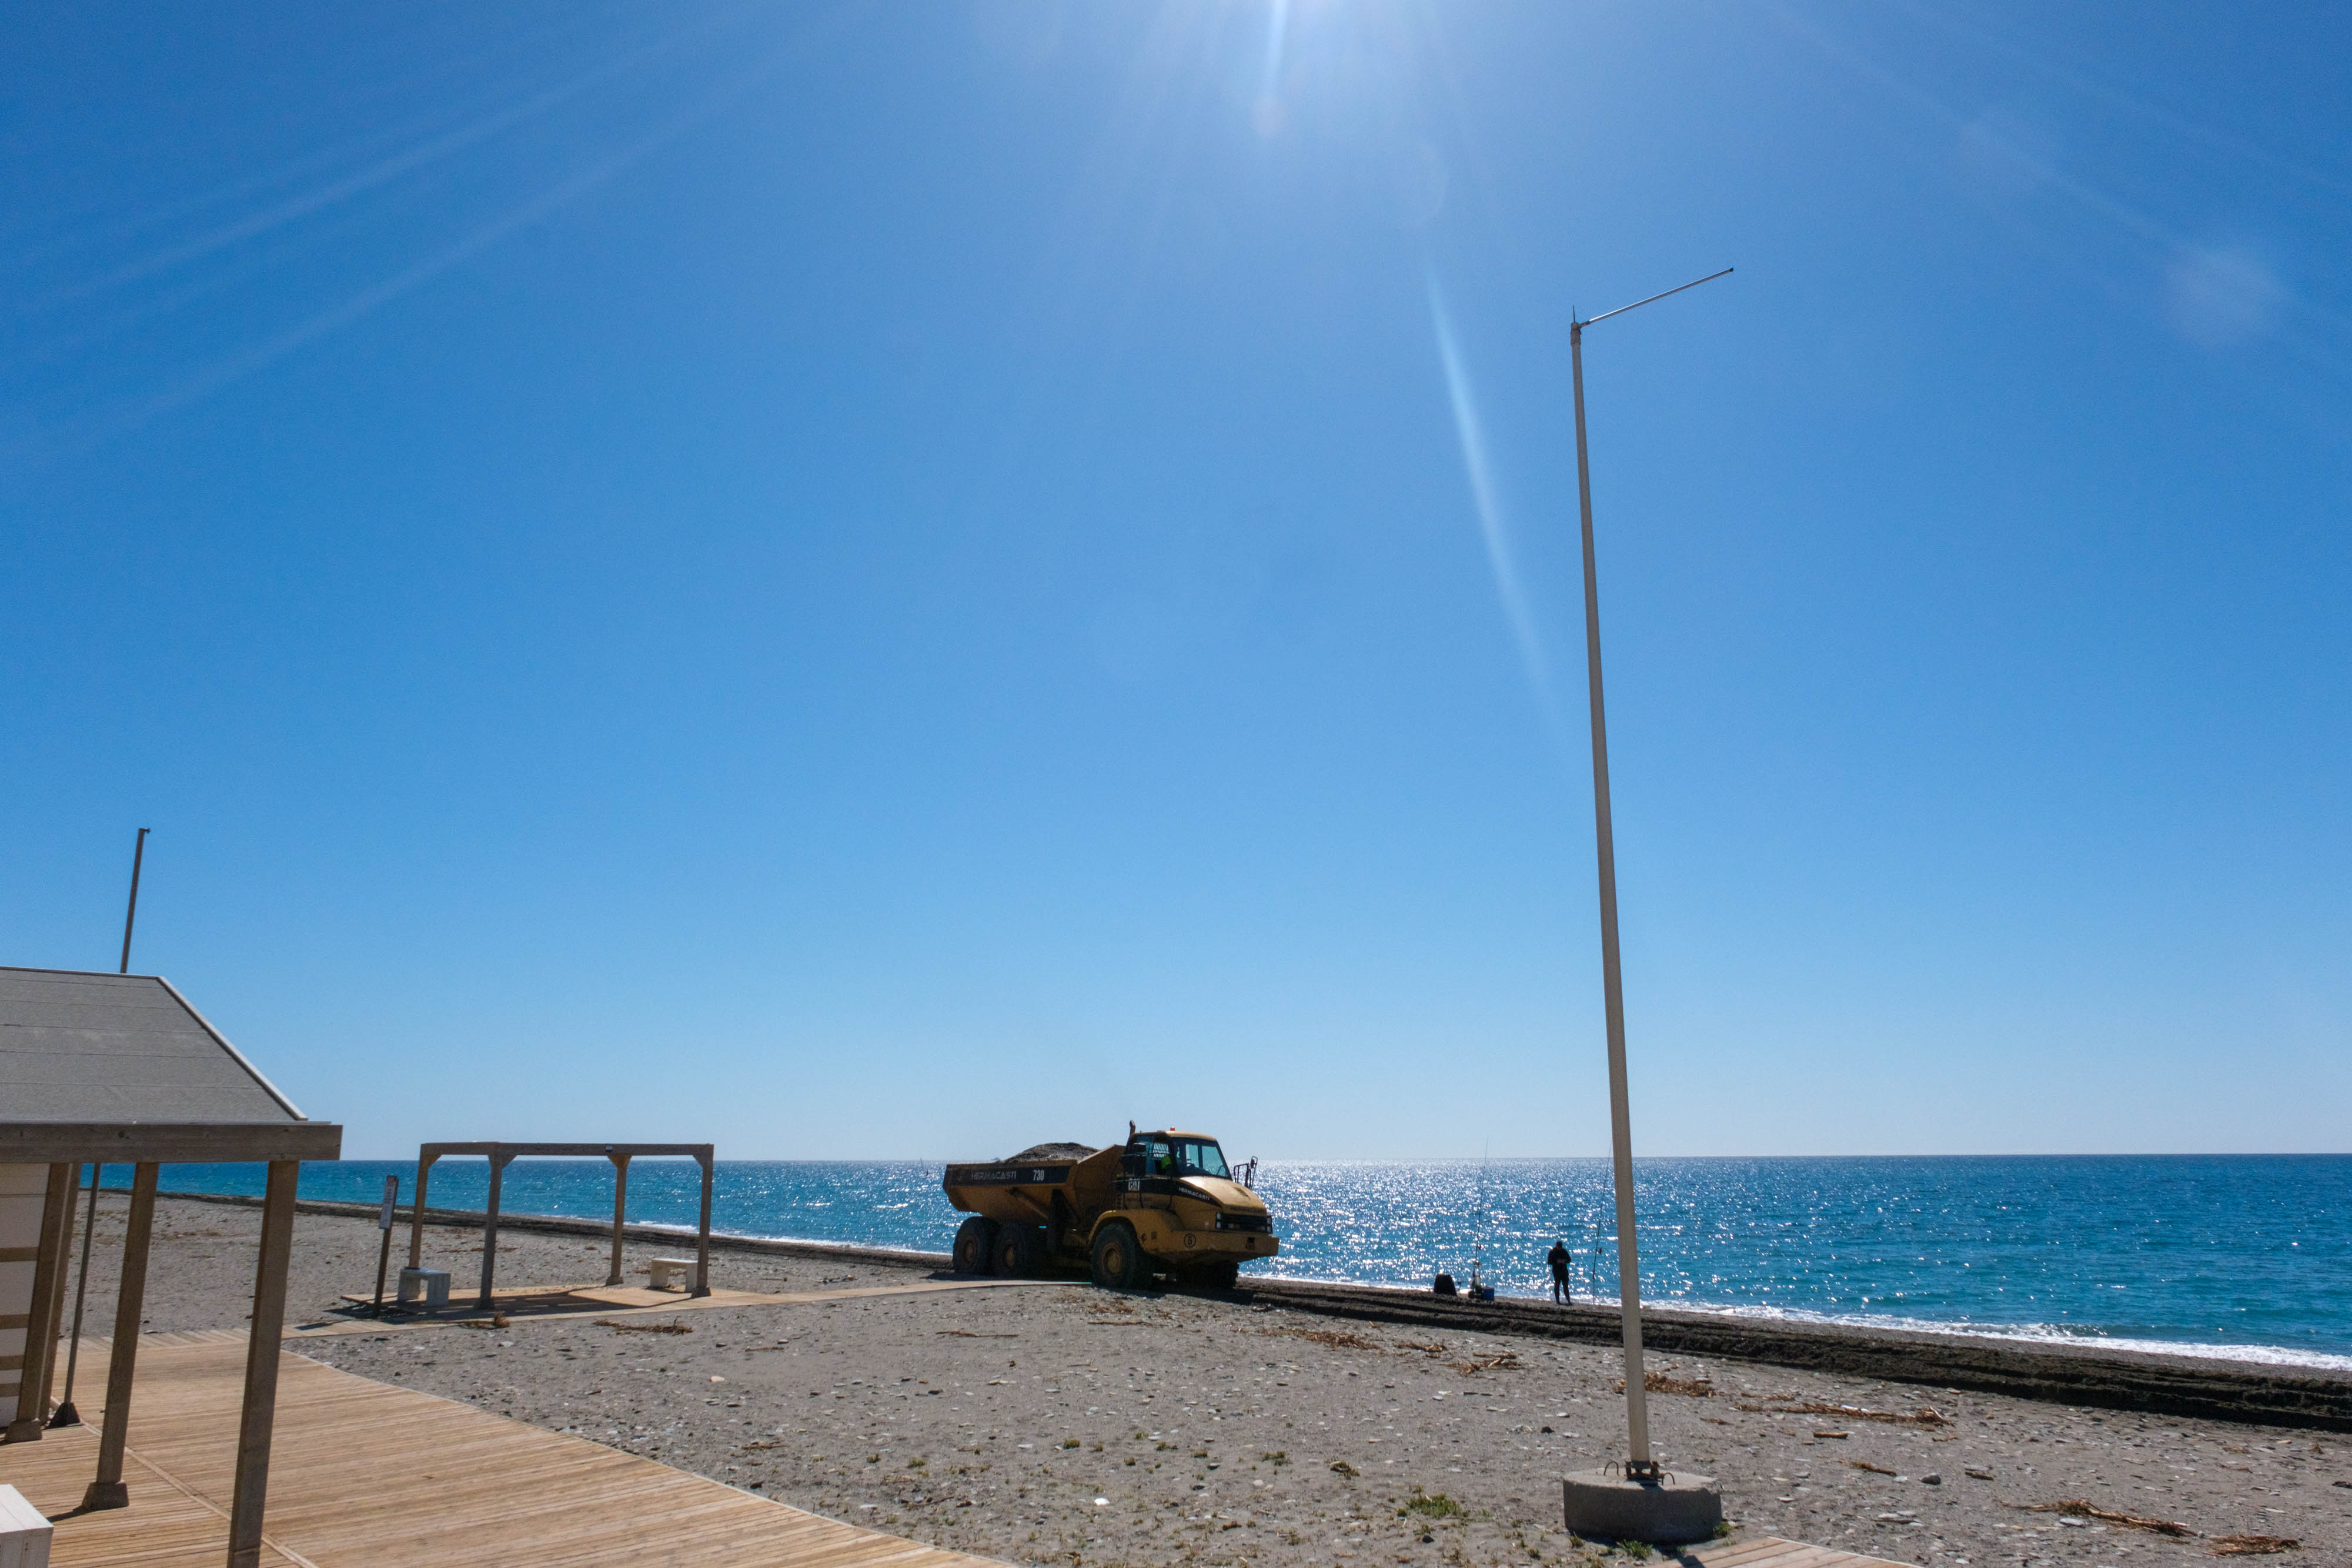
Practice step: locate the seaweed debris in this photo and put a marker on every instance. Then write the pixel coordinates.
(2077, 1507)
(1926, 1416)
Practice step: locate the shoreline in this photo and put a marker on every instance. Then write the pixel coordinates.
(2282, 1357)
(2278, 1300)
(2212, 1387)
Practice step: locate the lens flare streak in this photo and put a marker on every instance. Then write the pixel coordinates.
(1493, 525)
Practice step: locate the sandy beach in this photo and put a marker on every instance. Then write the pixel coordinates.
(1054, 1423)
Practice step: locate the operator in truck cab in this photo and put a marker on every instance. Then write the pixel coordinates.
(1163, 1156)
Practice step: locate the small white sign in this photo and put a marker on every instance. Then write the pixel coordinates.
(390, 1202)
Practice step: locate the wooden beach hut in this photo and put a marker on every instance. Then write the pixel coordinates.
(120, 1069)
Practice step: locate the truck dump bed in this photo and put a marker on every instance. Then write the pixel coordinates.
(1041, 1185)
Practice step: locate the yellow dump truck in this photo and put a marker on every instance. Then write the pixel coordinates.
(1161, 1203)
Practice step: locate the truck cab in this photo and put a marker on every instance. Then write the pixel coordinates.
(1179, 1201)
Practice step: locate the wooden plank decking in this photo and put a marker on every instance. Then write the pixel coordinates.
(368, 1476)
(623, 1300)
(1771, 1551)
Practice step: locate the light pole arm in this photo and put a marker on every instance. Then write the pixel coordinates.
(1637, 304)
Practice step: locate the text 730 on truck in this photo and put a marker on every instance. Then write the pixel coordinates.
(1163, 1203)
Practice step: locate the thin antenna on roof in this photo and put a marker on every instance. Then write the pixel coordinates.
(138, 853)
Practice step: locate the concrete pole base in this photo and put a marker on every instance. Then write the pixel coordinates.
(103, 1495)
(1602, 1505)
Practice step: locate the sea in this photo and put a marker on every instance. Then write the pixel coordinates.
(2248, 1256)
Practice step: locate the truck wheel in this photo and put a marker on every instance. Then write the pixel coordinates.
(1219, 1276)
(1118, 1261)
(1019, 1250)
(975, 1240)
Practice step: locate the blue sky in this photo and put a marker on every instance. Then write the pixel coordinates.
(891, 579)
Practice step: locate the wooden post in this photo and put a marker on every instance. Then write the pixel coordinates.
(416, 1215)
(40, 1321)
(261, 1356)
(383, 1248)
(702, 1241)
(130, 1303)
(490, 1227)
(620, 1211)
(57, 1287)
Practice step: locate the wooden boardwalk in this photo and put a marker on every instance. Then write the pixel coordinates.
(369, 1476)
(1771, 1551)
(627, 1301)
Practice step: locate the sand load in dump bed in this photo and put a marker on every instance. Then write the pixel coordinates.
(1035, 1152)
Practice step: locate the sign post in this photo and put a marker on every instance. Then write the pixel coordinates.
(383, 1223)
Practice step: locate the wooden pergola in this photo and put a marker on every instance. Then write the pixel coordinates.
(121, 1070)
(502, 1154)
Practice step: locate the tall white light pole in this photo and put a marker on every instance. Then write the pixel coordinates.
(1638, 1464)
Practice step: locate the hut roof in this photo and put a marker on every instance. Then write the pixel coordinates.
(121, 1048)
(125, 1057)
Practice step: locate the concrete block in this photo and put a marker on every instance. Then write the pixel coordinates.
(429, 1285)
(1602, 1505)
(24, 1534)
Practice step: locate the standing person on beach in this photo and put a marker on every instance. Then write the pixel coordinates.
(1558, 1259)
